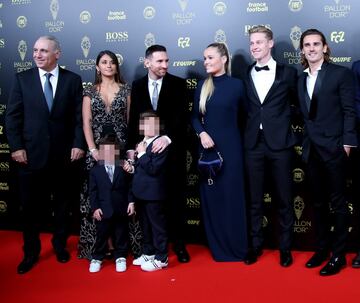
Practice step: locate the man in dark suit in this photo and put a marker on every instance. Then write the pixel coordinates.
(111, 202)
(44, 130)
(356, 152)
(326, 95)
(268, 140)
(166, 94)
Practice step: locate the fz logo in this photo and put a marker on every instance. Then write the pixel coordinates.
(337, 37)
(184, 42)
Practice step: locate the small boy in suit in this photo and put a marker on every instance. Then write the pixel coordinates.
(149, 190)
(111, 203)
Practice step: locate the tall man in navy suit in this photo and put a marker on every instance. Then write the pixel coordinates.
(356, 155)
(326, 95)
(166, 95)
(268, 140)
(44, 130)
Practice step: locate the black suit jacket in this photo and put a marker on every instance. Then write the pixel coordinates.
(274, 113)
(29, 124)
(356, 70)
(149, 181)
(330, 120)
(111, 197)
(172, 110)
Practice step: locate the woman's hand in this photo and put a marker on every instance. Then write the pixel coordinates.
(206, 140)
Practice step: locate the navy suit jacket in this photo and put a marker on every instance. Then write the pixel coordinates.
(45, 135)
(111, 197)
(149, 181)
(330, 121)
(274, 113)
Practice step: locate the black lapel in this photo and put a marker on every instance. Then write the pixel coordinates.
(278, 76)
(251, 82)
(105, 175)
(162, 95)
(59, 86)
(116, 173)
(318, 84)
(303, 91)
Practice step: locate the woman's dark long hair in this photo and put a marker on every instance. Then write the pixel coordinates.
(118, 77)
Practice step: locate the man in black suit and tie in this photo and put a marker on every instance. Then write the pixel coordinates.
(44, 130)
(326, 95)
(268, 140)
(166, 95)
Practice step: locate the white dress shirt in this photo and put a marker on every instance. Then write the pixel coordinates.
(151, 87)
(148, 142)
(53, 79)
(311, 80)
(263, 80)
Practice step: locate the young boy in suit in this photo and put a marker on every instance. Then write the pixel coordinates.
(149, 190)
(111, 203)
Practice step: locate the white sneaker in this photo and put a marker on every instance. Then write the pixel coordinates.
(153, 265)
(120, 264)
(95, 265)
(142, 259)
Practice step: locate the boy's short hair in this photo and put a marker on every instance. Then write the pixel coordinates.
(151, 114)
(109, 139)
(148, 114)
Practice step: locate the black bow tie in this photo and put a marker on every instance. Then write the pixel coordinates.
(258, 68)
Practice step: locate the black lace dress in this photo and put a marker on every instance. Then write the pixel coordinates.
(104, 120)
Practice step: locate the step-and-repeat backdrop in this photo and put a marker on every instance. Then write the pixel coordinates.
(185, 27)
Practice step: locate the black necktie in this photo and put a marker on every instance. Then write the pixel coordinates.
(258, 68)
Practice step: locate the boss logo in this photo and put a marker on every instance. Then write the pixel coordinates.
(117, 36)
(184, 42)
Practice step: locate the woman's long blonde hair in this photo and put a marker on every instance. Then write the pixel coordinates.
(208, 87)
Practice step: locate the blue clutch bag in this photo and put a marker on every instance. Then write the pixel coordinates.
(209, 164)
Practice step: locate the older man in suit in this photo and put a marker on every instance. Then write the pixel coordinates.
(166, 95)
(44, 130)
(268, 140)
(326, 95)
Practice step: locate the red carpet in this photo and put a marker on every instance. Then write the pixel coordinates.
(201, 280)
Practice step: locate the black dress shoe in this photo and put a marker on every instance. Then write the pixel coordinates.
(285, 258)
(317, 258)
(182, 254)
(26, 264)
(333, 266)
(356, 261)
(252, 256)
(62, 256)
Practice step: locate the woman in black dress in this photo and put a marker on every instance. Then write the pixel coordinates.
(105, 110)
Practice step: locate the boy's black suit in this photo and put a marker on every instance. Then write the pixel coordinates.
(149, 188)
(113, 199)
